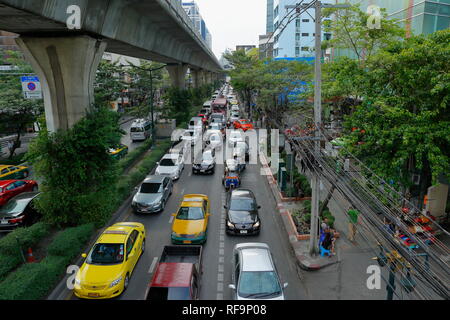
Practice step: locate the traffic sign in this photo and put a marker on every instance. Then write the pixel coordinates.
(31, 87)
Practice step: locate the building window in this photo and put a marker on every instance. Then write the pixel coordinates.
(275, 12)
(305, 48)
(297, 23)
(305, 34)
(297, 51)
(297, 36)
(305, 20)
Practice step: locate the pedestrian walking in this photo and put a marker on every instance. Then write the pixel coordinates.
(353, 220)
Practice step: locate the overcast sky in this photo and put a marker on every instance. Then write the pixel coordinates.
(233, 22)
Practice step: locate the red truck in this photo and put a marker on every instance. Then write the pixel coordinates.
(177, 276)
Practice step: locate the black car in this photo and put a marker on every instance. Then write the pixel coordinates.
(206, 163)
(19, 212)
(242, 216)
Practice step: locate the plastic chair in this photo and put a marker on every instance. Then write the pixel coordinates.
(324, 251)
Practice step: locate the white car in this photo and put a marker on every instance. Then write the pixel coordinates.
(235, 108)
(191, 136)
(214, 139)
(171, 165)
(254, 274)
(234, 116)
(233, 137)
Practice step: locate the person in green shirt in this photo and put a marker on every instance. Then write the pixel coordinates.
(353, 220)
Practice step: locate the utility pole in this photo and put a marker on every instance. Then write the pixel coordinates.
(315, 181)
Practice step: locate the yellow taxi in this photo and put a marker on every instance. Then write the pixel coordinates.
(107, 269)
(118, 152)
(191, 221)
(9, 172)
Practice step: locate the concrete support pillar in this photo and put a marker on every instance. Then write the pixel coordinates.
(196, 78)
(177, 74)
(66, 68)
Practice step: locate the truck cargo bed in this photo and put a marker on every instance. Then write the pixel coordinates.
(186, 254)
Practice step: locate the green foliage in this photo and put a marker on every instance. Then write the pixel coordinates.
(63, 244)
(78, 174)
(178, 104)
(405, 113)
(8, 263)
(32, 281)
(27, 236)
(132, 156)
(350, 31)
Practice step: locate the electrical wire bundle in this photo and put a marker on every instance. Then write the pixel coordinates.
(429, 268)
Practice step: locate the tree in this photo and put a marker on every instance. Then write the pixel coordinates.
(16, 112)
(405, 111)
(109, 83)
(350, 30)
(78, 176)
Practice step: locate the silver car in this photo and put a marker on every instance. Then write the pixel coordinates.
(152, 194)
(254, 274)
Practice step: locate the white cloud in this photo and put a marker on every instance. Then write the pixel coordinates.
(233, 22)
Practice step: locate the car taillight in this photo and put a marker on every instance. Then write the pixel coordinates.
(16, 220)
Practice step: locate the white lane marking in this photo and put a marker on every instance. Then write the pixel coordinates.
(171, 219)
(182, 191)
(221, 259)
(219, 296)
(221, 238)
(153, 265)
(220, 287)
(221, 245)
(220, 277)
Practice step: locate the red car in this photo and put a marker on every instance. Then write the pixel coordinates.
(204, 118)
(243, 124)
(11, 188)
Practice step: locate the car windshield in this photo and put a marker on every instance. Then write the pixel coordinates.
(13, 207)
(167, 163)
(242, 217)
(106, 253)
(137, 129)
(207, 156)
(258, 284)
(214, 137)
(242, 204)
(244, 121)
(190, 213)
(188, 133)
(235, 135)
(150, 187)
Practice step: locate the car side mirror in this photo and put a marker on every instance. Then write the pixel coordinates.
(225, 207)
(232, 286)
(157, 163)
(84, 255)
(285, 285)
(259, 207)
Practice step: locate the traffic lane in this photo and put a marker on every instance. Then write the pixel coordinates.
(126, 139)
(272, 232)
(158, 229)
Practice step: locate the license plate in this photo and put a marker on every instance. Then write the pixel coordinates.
(186, 241)
(4, 222)
(243, 231)
(202, 170)
(92, 294)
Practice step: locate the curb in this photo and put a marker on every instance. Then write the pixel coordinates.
(303, 260)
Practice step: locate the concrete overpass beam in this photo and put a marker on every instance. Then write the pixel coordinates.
(177, 74)
(66, 67)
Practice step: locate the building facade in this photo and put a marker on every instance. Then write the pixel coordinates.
(297, 38)
(193, 12)
(246, 48)
(416, 16)
(266, 46)
(269, 18)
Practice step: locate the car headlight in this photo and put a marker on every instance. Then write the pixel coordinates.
(77, 281)
(115, 282)
(229, 224)
(174, 234)
(256, 225)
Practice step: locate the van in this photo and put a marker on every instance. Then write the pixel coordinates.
(196, 123)
(140, 129)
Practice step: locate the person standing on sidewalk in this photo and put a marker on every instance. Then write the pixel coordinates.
(353, 220)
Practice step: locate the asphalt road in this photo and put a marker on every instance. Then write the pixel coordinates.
(217, 251)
